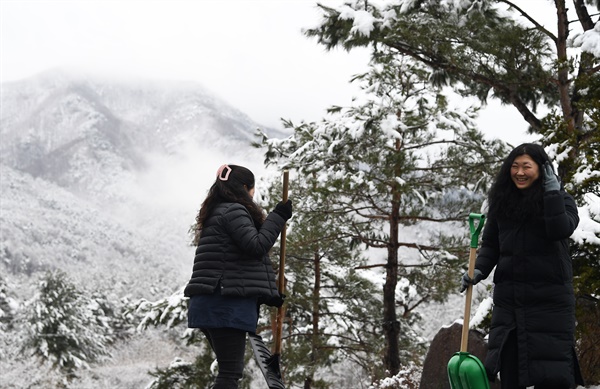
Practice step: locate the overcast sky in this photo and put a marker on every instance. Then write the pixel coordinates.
(252, 53)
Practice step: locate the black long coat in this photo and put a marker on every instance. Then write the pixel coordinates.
(233, 253)
(533, 292)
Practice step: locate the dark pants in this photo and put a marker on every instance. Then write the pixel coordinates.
(509, 369)
(229, 344)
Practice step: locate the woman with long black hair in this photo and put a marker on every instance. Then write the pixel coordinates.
(232, 273)
(525, 238)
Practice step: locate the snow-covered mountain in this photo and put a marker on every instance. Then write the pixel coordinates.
(84, 133)
(102, 177)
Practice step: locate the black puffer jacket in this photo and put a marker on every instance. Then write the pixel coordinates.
(234, 253)
(533, 292)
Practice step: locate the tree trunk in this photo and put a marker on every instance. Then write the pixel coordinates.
(571, 115)
(315, 322)
(563, 64)
(391, 325)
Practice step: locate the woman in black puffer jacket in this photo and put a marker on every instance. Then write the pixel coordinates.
(530, 219)
(232, 273)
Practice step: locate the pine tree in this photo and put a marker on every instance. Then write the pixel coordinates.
(65, 328)
(400, 157)
(6, 310)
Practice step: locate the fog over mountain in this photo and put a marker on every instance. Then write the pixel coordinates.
(101, 177)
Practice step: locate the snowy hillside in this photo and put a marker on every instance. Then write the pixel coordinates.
(45, 227)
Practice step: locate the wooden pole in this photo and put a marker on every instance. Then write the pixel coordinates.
(281, 279)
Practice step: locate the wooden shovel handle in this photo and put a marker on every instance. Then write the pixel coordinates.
(465, 329)
(475, 230)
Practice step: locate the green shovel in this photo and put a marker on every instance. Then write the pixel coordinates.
(465, 370)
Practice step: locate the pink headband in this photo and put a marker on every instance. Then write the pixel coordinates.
(227, 170)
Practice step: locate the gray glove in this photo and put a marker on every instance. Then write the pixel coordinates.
(550, 179)
(466, 280)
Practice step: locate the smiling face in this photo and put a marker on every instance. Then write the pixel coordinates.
(524, 171)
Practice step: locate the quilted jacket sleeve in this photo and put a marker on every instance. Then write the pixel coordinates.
(560, 215)
(252, 241)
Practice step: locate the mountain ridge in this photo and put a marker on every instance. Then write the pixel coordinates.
(52, 125)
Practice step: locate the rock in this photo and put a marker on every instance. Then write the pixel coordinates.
(443, 346)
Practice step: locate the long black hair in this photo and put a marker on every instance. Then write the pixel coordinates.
(506, 201)
(231, 186)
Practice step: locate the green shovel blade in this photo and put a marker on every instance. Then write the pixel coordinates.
(466, 371)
